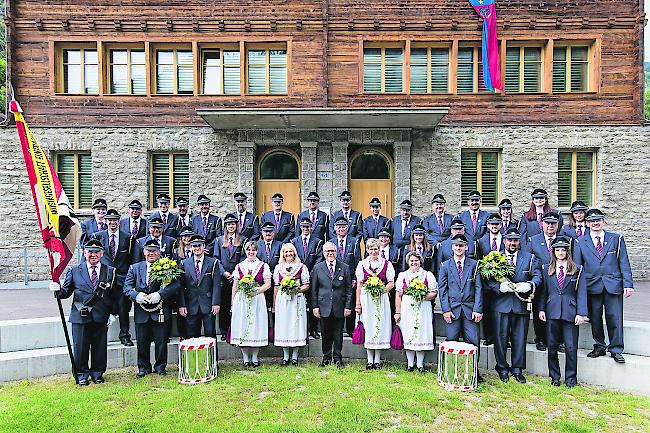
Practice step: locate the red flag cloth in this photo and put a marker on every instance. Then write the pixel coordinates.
(59, 226)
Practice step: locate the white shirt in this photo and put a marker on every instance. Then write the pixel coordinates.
(386, 251)
(498, 238)
(198, 261)
(514, 257)
(117, 238)
(184, 220)
(137, 223)
(98, 267)
(601, 235)
(305, 239)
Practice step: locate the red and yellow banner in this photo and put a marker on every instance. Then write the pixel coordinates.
(59, 226)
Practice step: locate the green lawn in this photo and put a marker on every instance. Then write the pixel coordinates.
(313, 399)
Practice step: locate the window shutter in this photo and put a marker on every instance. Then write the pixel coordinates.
(165, 72)
(465, 78)
(439, 70)
(564, 178)
(393, 62)
(559, 69)
(160, 175)
(490, 178)
(372, 70)
(468, 173)
(579, 68)
(185, 72)
(532, 69)
(231, 73)
(65, 171)
(181, 167)
(85, 180)
(257, 71)
(512, 70)
(277, 72)
(584, 177)
(211, 72)
(419, 70)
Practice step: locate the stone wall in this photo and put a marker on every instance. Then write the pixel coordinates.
(222, 163)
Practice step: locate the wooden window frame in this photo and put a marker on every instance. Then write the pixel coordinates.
(170, 171)
(76, 154)
(221, 47)
(574, 173)
(267, 47)
(476, 59)
(479, 171)
(135, 46)
(174, 47)
(406, 55)
(522, 45)
(429, 46)
(59, 48)
(590, 45)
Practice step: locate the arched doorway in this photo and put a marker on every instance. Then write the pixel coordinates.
(371, 175)
(278, 171)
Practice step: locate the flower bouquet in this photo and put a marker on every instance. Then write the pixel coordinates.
(247, 285)
(416, 290)
(374, 287)
(289, 286)
(496, 266)
(164, 270)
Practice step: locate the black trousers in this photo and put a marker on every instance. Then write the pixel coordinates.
(123, 310)
(89, 339)
(468, 329)
(195, 321)
(538, 325)
(560, 331)
(145, 333)
(488, 315)
(332, 337)
(225, 315)
(514, 328)
(350, 321)
(181, 322)
(613, 306)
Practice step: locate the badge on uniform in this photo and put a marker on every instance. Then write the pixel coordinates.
(341, 278)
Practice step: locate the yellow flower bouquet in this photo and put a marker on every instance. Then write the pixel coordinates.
(289, 286)
(247, 285)
(496, 266)
(165, 270)
(416, 290)
(374, 287)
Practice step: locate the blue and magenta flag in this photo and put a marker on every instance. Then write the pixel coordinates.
(486, 9)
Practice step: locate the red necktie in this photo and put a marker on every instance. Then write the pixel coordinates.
(111, 245)
(341, 247)
(460, 271)
(579, 231)
(474, 220)
(313, 218)
(560, 276)
(93, 277)
(440, 224)
(550, 248)
(230, 245)
(599, 246)
(134, 229)
(493, 247)
(277, 220)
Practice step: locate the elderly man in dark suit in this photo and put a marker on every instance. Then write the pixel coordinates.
(167, 245)
(199, 296)
(151, 310)
(309, 249)
(117, 254)
(91, 283)
(332, 302)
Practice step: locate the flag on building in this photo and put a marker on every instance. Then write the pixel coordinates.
(486, 9)
(59, 226)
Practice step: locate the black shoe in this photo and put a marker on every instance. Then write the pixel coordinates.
(618, 358)
(314, 334)
(162, 372)
(247, 364)
(555, 382)
(349, 333)
(422, 369)
(255, 364)
(325, 362)
(294, 362)
(377, 365)
(223, 337)
(410, 369)
(504, 377)
(83, 381)
(519, 377)
(284, 362)
(370, 366)
(596, 353)
(561, 348)
(126, 342)
(541, 346)
(570, 384)
(488, 341)
(98, 379)
(339, 364)
(141, 373)
(479, 379)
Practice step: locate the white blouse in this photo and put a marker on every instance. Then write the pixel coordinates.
(284, 269)
(375, 264)
(406, 277)
(248, 267)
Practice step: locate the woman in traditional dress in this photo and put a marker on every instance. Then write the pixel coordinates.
(375, 311)
(415, 318)
(249, 328)
(290, 330)
(419, 244)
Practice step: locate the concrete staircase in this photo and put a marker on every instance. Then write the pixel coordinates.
(36, 347)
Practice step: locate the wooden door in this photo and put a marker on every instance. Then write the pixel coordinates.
(371, 175)
(278, 172)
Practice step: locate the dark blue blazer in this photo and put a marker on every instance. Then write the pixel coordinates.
(77, 282)
(355, 224)
(200, 295)
(352, 254)
(444, 252)
(166, 249)
(402, 239)
(370, 229)
(528, 228)
(89, 227)
(481, 222)
(123, 252)
(251, 228)
(320, 229)
(180, 225)
(563, 303)
(143, 227)
(570, 231)
(538, 246)
(460, 297)
(285, 232)
(513, 223)
(170, 227)
(610, 272)
(527, 269)
(214, 229)
(314, 253)
(435, 236)
(274, 258)
(484, 247)
(229, 259)
(136, 281)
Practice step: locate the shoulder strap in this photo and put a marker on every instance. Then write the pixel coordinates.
(618, 247)
(475, 272)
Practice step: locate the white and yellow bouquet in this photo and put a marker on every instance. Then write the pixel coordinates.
(165, 270)
(374, 287)
(247, 285)
(416, 290)
(289, 286)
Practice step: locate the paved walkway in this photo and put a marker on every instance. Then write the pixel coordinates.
(34, 303)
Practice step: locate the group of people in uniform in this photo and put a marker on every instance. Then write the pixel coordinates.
(565, 273)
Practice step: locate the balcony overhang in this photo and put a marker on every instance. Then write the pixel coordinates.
(323, 118)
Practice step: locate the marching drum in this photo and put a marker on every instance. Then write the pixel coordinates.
(197, 360)
(457, 365)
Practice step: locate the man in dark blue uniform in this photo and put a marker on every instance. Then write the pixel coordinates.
(134, 225)
(247, 222)
(402, 224)
(320, 220)
(354, 218)
(205, 224)
(445, 251)
(166, 244)
(438, 224)
(376, 222)
(474, 218)
(184, 215)
(169, 219)
(283, 221)
(96, 223)
(268, 251)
